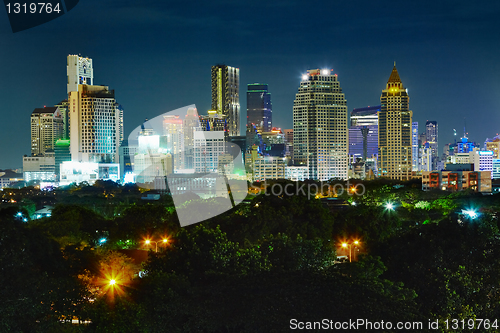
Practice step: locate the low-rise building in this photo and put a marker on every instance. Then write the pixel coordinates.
(479, 181)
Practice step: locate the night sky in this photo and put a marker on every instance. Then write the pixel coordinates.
(157, 56)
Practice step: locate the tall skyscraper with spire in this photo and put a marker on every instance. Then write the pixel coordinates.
(395, 130)
(226, 95)
(320, 139)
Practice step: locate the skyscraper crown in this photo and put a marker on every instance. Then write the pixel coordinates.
(394, 78)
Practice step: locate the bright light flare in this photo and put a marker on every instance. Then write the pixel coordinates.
(325, 71)
(112, 282)
(389, 206)
(344, 244)
(147, 241)
(305, 77)
(470, 213)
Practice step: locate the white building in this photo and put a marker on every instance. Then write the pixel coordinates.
(269, 168)
(79, 71)
(296, 173)
(77, 172)
(172, 141)
(483, 160)
(207, 148)
(425, 156)
(95, 125)
(39, 168)
(320, 136)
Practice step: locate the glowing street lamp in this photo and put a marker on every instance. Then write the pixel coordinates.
(349, 245)
(164, 241)
(112, 282)
(389, 206)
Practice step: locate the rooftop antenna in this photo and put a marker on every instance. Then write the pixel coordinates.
(465, 133)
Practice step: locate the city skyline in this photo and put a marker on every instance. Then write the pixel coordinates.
(447, 49)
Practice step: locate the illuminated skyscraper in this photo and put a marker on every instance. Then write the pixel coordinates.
(395, 130)
(226, 96)
(190, 123)
(172, 141)
(95, 125)
(363, 133)
(431, 136)
(79, 71)
(46, 128)
(259, 108)
(320, 126)
(414, 146)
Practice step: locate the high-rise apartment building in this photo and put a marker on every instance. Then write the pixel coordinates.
(46, 128)
(431, 137)
(172, 141)
(226, 96)
(320, 138)
(79, 71)
(95, 125)
(414, 146)
(190, 123)
(259, 107)
(395, 130)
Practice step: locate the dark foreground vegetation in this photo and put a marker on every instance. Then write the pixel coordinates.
(252, 269)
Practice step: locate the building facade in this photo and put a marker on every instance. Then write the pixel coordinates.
(95, 125)
(414, 146)
(478, 181)
(395, 130)
(320, 137)
(80, 71)
(226, 95)
(363, 133)
(47, 127)
(259, 107)
(431, 137)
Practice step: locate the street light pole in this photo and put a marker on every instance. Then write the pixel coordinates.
(148, 241)
(349, 245)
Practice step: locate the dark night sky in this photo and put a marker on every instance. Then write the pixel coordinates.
(157, 56)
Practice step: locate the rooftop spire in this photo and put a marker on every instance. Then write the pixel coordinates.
(394, 75)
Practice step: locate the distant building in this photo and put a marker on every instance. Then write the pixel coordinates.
(47, 127)
(126, 154)
(62, 154)
(95, 125)
(395, 130)
(414, 146)
(431, 137)
(172, 140)
(320, 134)
(289, 142)
(208, 146)
(495, 174)
(269, 168)
(39, 168)
(214, 122)
(259, 107)
(80, 71)
(226, 95)
(363, 133)
(297, 173)
(479, 181)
